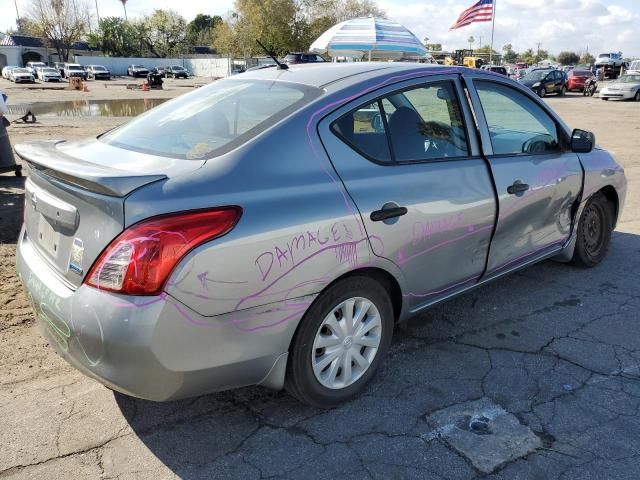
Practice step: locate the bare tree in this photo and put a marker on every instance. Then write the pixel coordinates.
(59, 23)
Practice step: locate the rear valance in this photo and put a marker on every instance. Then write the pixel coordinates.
(49, 160)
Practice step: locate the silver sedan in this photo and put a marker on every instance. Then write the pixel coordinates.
(627, 87)
(272, 228)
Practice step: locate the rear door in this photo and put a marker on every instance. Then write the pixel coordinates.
(537, 179)
(413, 167)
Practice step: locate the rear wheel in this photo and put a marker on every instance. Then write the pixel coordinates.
(637, 97)
(563, 90)
(340, 342)
(594, 232)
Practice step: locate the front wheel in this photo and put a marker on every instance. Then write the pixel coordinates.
(340, 342)
(637, 97)
(542, 92)
(594, 232)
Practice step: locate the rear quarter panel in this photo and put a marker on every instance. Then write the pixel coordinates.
(299, 229)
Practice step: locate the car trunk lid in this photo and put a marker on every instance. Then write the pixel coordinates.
(74, 198)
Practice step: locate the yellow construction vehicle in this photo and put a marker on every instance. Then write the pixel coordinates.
(464, 58)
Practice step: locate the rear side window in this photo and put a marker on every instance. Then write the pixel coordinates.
(516, 123)
(418, 124)
(211, 120)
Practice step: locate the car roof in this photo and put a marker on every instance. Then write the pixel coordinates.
(322, 74)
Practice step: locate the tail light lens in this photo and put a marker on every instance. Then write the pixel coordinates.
(140, 259)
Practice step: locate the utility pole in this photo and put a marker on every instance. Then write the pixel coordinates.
(97, 12)
(15, 2)
(538, 51)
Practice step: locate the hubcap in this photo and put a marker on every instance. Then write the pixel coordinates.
(346, 343)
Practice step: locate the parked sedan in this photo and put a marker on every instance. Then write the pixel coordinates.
(97, 72)
(577, 79)
(21, 75)
(260, 230)
(175, 71)
(627, 87)
(7, 70)
(137, 71)
(546, 81)
(299, 57)
(48, 74)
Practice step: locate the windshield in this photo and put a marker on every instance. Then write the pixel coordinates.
(21, 70)
(630, 79)
(50, 70)
(536, 75)
(98, 68)
(211, 120)
(137, 66)
(74, 67)
(176, 68)
(604, 55)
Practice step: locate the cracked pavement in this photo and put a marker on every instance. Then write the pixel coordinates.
(549, 357)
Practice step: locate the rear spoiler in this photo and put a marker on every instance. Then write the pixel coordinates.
(45, 157)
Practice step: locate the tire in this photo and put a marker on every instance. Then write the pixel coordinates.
(605, 99)
(563, 90)
(637, 97)
(335, 385)
(594, 232)
(542, 92)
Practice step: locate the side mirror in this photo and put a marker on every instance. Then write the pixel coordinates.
(582, 141)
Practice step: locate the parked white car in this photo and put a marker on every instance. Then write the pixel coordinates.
(33, 67)
(21, 75)
(49, 74)
(625, 88)
(7, 70)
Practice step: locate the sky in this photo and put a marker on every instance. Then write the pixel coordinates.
(577, 25)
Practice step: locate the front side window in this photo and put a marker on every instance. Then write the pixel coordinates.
(516, 123)
(211, 120)
(420, 124)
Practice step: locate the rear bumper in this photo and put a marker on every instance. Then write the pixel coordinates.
(156, 347)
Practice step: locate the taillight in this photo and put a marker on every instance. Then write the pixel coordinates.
(140, 259)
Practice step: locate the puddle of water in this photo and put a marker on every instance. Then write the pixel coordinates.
(96, 108)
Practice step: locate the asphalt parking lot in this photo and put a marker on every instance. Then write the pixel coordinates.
(536, 376)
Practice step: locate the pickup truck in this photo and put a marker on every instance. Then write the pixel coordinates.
(611, 62)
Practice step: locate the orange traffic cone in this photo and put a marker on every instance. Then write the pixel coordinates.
(145, 86)
(85, 87)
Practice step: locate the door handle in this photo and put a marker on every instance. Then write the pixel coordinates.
(517, 187)
(386, 213)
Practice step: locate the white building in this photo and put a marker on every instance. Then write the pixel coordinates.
(20, 49)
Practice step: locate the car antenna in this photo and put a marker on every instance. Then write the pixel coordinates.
(281, 66)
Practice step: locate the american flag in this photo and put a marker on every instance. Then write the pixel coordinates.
(479, 12)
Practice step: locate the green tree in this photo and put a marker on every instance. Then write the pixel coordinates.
(115, 37)
(509, 56)
(200, 29)
(434, 47)
(163, 33)
(587, 59)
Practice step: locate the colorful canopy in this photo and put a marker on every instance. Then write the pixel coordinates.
(372, 37)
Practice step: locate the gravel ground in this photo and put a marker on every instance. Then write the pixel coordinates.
(534, 376)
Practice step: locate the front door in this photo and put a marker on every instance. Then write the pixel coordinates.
(415, 172)
(537, 181)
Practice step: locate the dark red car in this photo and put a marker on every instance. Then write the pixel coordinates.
(577, 79)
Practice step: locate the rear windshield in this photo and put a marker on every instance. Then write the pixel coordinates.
(211, 120)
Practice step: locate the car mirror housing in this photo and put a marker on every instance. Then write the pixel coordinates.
(582, 141)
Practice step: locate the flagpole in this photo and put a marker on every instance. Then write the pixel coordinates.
(493, 27)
